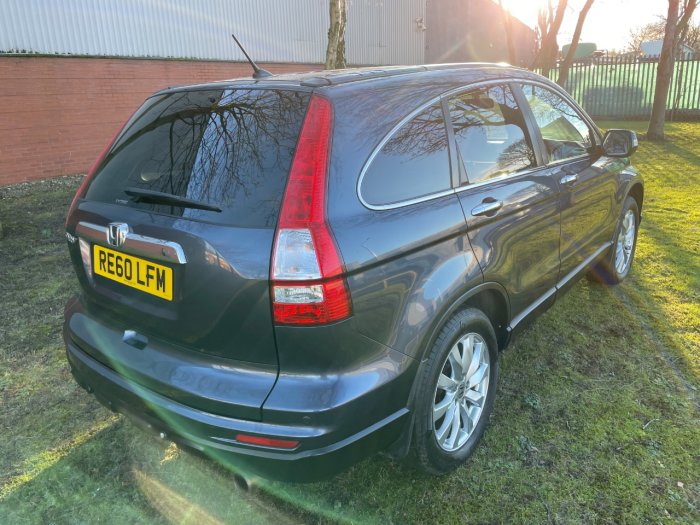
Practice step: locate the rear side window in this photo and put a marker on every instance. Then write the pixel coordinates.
(566, 135)
(490, 133)
(414, 162)
(229, 148)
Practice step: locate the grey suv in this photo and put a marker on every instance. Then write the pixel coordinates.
(294, 272)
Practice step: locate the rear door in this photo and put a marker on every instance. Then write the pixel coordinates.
(196, 276)
(510, 203)
(587, 184)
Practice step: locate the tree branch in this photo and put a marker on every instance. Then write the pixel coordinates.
(564, 68)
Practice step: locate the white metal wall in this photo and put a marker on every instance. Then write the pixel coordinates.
(379, 31)
(385, 32)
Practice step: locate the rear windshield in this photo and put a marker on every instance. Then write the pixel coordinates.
(229, 148)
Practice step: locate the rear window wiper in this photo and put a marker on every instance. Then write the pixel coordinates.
(159, 197)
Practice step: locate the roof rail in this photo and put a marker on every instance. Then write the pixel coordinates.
(344, 76)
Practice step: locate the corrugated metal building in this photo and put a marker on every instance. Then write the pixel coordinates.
(291, 31)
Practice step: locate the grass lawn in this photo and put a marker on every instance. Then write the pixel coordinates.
(597, 417)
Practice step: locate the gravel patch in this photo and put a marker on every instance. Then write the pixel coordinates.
(23, 188)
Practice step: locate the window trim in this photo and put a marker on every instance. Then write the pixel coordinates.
(527, 114)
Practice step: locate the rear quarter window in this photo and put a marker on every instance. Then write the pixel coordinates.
(229, 148)
(413, 163)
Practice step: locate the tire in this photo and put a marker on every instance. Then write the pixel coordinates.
(442, 444)
(617, 263)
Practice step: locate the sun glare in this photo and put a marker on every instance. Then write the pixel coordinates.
(525, 10)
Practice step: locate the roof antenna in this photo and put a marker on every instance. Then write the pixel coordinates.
(258, 72)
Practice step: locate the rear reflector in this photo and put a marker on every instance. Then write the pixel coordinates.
(267, 442)
(85, 256)
(306, 274)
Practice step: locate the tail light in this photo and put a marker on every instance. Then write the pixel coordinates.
(91, 173)
(308, 286)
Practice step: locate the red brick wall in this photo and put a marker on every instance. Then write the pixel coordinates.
(57, 113)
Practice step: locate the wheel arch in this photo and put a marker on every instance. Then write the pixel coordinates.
(636, 191)
(492, 299)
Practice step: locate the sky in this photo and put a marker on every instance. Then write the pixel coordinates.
(608, 23)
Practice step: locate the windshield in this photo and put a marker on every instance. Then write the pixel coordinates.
(231, 149)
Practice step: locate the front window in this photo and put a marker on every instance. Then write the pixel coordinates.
(490, 132)
(566, 135)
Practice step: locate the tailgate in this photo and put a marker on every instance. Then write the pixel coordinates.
(195, 275)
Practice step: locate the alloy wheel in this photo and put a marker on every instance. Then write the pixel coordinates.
(625, 243)
(461, 392)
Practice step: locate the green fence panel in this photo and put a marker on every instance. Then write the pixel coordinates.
(621, 87)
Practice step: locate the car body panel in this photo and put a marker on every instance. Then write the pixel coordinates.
(411, 263)
(517, 247)
(205, 382)
(221, 305)
(588, 209)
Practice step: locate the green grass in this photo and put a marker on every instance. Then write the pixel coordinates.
(597, 417)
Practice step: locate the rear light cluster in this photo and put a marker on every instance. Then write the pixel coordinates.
(308, 286)
(82, 189)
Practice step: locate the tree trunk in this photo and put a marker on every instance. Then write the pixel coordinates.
(566, 64)
(549, 24)
(664, 70)
(335, 52)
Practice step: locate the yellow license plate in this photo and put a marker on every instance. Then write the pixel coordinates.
(138, 273)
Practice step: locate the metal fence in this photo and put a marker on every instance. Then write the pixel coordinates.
(623, 88)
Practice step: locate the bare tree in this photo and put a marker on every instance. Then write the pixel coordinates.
(335, 52)
(684, 29)
(692, 37)
(548, 25)
(655, 31)
(676, 28)
(646, 33)
(507, 20)
(569, 59)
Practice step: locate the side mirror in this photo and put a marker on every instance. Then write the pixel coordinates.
(620, 143)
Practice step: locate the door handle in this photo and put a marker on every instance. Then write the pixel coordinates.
(568, 179)
(486, 208)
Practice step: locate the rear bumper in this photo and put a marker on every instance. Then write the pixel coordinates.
(323, 449)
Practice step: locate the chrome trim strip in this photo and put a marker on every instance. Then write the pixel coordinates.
(134, 243)
(570, 160)
(500, 178)
(91, 232)
(581, 266)
(527, 311)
